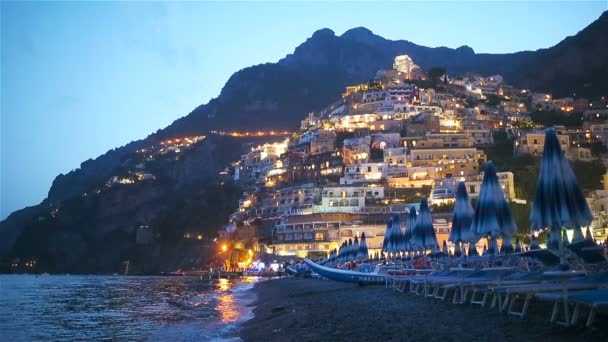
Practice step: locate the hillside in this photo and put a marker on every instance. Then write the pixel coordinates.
(267, 96)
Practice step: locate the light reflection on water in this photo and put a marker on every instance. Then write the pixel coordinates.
(65, 308)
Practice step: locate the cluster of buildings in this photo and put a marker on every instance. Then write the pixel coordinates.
(386, 144)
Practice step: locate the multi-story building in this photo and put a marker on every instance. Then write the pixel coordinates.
(449, 162)
(395, 156)
(302, 168)
(534, 142)
(405, 65)
(596, 132)
(363, 173)
(473, 184)
(356, 150)
(410, 177)
(324, 141)
(422, 123)
(385, 140)
(480, 136)
(347, 199)
(291, 200)
(309, 238)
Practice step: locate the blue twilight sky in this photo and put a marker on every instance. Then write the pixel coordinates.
(80, 78)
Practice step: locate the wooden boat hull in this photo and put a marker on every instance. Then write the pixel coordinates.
(346, 276)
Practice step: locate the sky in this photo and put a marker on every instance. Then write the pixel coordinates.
(80, 78)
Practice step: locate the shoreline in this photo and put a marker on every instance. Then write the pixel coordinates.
(290, 309)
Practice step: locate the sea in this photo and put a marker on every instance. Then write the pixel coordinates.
(123, 308)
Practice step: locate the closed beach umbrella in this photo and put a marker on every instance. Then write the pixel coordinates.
(559, 201)
(534, 243)
(398, 235)
(409, 228)
(444, 247)
(355, 250)
(588, 235)
(424, 237)
(517, 246)
(387, 235)
(349, 249)
(473, 249)
(362, 253)
(492, 217)
(507, 245)
(461, 218)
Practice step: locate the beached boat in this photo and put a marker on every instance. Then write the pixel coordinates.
(345, 275)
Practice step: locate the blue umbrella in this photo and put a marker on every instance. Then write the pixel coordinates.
(473, 249)
(588, 236)
(534, 243)
(355, 250)
(492, 216)
(362, 253)
(411, 224)
(424, 237)
(349, 249)
(461, 219)
(559, 201)
(517, 246)
(398, 241)
(387, 235)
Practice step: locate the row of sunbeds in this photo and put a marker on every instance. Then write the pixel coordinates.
(511, 290)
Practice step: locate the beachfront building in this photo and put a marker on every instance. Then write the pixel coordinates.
(305, 237)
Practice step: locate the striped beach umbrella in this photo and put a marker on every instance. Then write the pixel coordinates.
(492, 217)
(355, 250)
(387, 235)
(559, 201)
(517, 246)
(362, 252)
(461, 218)
(409, 228)
(398, 241)
(424, 237)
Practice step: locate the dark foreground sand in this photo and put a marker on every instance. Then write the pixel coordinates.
(291, 309)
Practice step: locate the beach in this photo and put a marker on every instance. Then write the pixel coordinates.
(291, 309)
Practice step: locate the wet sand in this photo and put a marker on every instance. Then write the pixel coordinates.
(292, 309)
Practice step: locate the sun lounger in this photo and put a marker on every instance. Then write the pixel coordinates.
(545, 256)
(589, 251)
(594, 299)
(575, 282)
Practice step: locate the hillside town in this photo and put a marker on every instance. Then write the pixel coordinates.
(386, 143)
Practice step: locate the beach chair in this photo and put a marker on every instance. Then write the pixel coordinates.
(512, 293)
(594, 299)
(589, 252)
(545, 256)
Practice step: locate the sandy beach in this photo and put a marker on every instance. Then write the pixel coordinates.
(292, 309)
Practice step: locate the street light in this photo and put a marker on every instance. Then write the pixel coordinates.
(224, 248)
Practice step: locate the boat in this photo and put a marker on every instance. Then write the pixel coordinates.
(345, 275)
(291, 271)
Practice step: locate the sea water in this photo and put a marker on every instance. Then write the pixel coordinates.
(122, 308)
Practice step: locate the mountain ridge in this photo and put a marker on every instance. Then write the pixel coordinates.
(278, 95)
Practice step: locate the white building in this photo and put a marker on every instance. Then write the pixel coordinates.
(405, 65)
(363, 173)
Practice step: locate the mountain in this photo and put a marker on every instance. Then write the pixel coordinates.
(277, 96)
